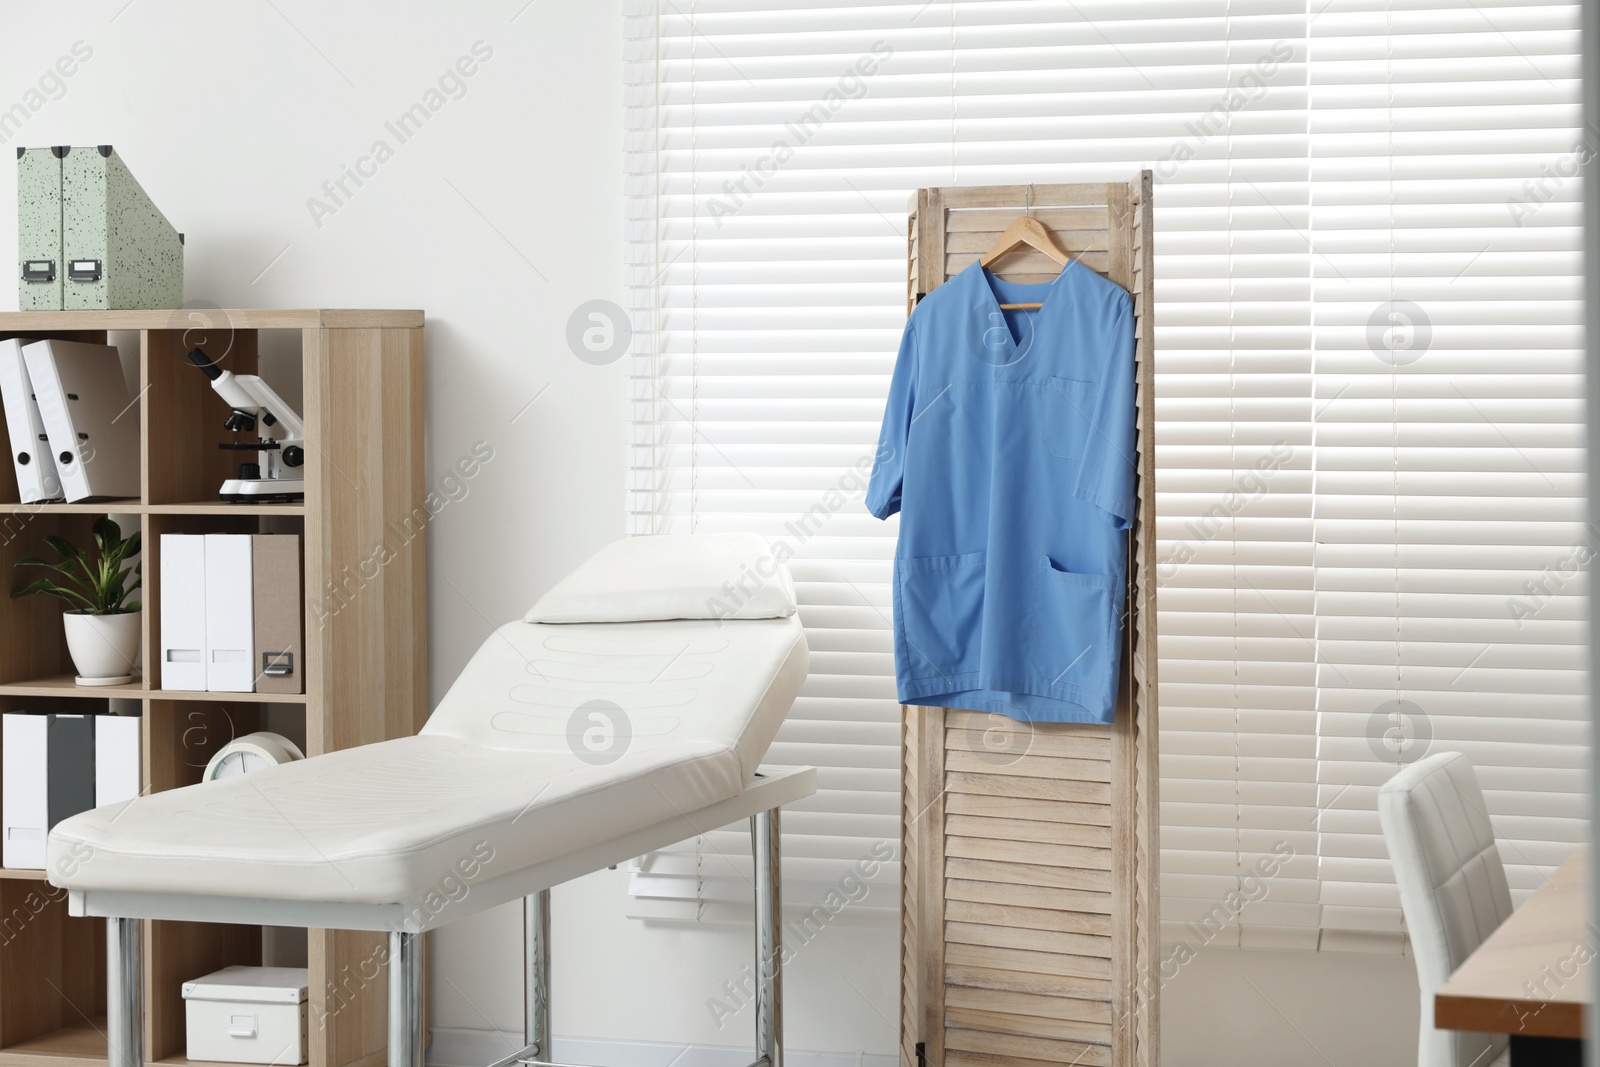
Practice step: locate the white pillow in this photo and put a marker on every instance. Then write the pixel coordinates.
(673, 576)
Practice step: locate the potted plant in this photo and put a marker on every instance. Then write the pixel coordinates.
(103, 623)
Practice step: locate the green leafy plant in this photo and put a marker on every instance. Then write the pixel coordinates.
(93, 587)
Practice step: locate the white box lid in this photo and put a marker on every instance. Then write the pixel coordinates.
(257, 985)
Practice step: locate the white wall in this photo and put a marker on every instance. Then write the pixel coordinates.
(1259, 1008)
(498, 219)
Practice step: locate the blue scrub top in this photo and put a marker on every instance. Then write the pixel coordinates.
(1008, 445)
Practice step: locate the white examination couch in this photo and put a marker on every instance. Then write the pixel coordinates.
(628, 711)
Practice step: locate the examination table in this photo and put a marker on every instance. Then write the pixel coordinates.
(628, 711)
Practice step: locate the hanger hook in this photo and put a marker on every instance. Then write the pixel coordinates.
(1027, 201)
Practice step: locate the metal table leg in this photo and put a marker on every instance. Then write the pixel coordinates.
(769, 943)
(536, 992)
(536, 958)
(405, 999)
(124, 992)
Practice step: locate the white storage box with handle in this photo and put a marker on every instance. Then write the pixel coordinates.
(248, 1015)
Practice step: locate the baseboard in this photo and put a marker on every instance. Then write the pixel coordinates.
(453, 1047)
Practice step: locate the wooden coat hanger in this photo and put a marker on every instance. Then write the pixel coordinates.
(1026, 232)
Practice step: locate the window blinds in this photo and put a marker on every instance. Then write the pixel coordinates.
(1369, 468)
(1446, 219)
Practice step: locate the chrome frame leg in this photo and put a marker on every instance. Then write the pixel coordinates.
(405, 999)
(769, 940)
(124, 992)
(536, 991)
(536, 960)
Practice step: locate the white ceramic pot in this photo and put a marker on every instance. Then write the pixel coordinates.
(103, 647)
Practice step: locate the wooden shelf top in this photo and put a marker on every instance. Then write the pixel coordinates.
(133, 507)
(124, 506)
(23, 874)
(228, 698)
(239, 318)
(184, 1061)
(62, 685)
(219, 507)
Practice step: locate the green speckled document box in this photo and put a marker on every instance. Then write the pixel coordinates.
(39, 270)
(119, 251)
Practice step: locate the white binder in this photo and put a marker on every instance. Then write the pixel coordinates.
(116, 758)
(182, 599)
(92, 423)
(30, 448)
(24, 802)
(230, 614)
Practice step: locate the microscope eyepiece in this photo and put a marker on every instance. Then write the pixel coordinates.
(203, 361)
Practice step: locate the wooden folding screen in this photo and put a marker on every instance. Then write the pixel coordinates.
(1029, 908)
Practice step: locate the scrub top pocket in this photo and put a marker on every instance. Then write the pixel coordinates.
(1078, 629)
(940, 609)
(1069, 406)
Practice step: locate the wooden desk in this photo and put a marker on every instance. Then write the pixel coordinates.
(1530, 978)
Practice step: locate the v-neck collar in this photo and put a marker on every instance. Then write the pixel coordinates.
(994, 313)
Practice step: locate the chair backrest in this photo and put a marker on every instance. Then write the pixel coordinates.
(1453, 889)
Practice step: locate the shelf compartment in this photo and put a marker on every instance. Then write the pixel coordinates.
(83, 1045)
(40, 705)
(10, 497)
(183, 423)
(35, 644)
(255, 519)
(180, 952)
(180, 738)
(52, 974)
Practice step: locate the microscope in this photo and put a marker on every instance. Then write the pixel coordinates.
(276, 477)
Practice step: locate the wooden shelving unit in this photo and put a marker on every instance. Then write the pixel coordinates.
(366, 662)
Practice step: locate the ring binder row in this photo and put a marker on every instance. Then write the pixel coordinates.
(230, 613)
(73, 428)
(89, 238)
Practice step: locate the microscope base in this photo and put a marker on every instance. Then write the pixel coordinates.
(263, 490)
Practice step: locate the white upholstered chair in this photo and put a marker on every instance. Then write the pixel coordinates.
(1453, 889)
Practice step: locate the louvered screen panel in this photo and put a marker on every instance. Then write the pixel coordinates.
(1146, 780)
(1030, 849)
